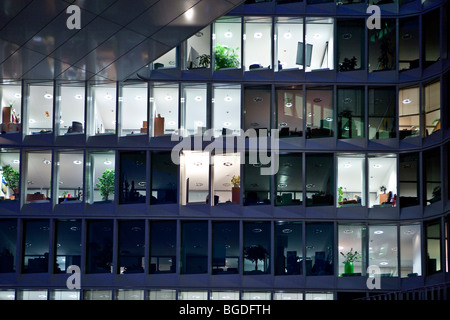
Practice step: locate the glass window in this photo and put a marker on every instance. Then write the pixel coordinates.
(256, 295)
(319, 40)
(350, 44)
(68, 244)
(225, 247)
(194, 247)
(164, 178)
(11, 101)
(288, 248)
(193, 109)
(71, 109)
(226, 109)
(128, 294)
(382, 47)
(382, 112)
(162, 295)
(287, 296)
(194, 170)
(319, 296)
(319, 112)
(409, 112)
(102, 111)
(28, 294)
(350, 112)
(433, 258)
(290, 111)
(319, 179)
(256, 185)
(99, 251)
(257, 247)
(8, 245)
(289, 180)
(226, 173)
(35, 246)
(431, 27)
(382, 180)
(224, 295)
(432, 175)
(410, 250)
(289, 43)
(198, 53)
(383, 251)
(63, 294)
(408, 46)
(70, 177)
(164, 108)
(39, 109)
(227, 43)
(100, 176)
(97, 295)
(319, 248)
(38, 176)
(257, 108)
(408, 172)
(192, 295)
(352, 249)
(10, 174)
(351, 180)
(133, 103)
(432, 108)
(7, 294)
(258, 34)
(133, 177)
(163, 246)
(131, 246)
(166, 61)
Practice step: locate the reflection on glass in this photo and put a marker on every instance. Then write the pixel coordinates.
(8, 245)
(289, 40)
(164, 178)
(410, 250)
(194, 247)
(350, 109)
(227, 43)
(319, 248)
(198, 51)
(256, 185)
(258, 34)
(383, 180)
(192, 295)
(28, 294)
(11, 103)
(166, 61)
(97, 295)
(319, 296)
(225, 247)
(433, 260)
(102, 111)
(382, 46)
(287, 296)
(226, 109)
(350, 180)
(352, 249)
(432, 109)
(38, 176)
(288, 248)
(290, 111)
(224, 295)
(131, 246)
(256, 247)
(68, 244)
(256, 295)
(382, 112)
(288, 180)
(35, 246)
(319, 179)
(100, 166)
(431, 28)
(408, 44)
(64, 294)
(164, 109)
(163, 246)
(319, 112)
(350, 44)
(71, 109)
(162, 295)
(132, 179)
(9, 173)
(194, 170)
(319, 38)
(408, 180)
(99, 251)
(128, 294)
(257, 108)
(432, 176)
(383, 250)
(133, 102)
(193, 109)
(40, 109)
(70, 177)
(409, 112)
(226, 166)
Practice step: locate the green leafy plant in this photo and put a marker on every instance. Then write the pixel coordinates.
(11, 177)
(106, 183)
(204, 60)
(340, 194)
(351, 256)
(236, 180)
(255, 253)
(226, 57)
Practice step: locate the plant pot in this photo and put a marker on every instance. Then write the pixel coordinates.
(236, 195)
(348, 267)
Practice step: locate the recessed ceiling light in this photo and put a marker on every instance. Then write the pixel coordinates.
(48, 96)
(329, 119)
(107, 162)
(376, 166)
(142, 183)
(317, 36)
(287, 35)
(45, 161)
(347, 165)
(77, 162)
(282, 185)
(199, 123)
(169, 98)
(406, 101)
(108, 96)
(78, 97)
(228, 99)
(287, 230)
(257, 35)
(317, 100)
(379, 232)
(227, 164)
(348, 231)
(197, 164)
(257, 230)
(384, 263)
(282, 124)
(288, 105)
(138, 98)
(17, 95)
(198, 98)
(228, 34)
(171, 123)
(226, 124)
(199, 184)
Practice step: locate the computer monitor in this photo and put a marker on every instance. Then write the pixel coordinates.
(308, 53)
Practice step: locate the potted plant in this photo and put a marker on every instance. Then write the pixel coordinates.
(204, 60)
(12, 179)
(349, 258)
(236, 190)
(225, 57)
(340, 195)
(106, 184)
(255, 253)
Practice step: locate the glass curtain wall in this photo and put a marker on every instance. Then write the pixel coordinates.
(226, 109)
(194, 247)
(408, 44)
(256, 249)
(68, 244)
(194, 171)
(35, 246)
(38, 176)
(256, 186)
(290, 111)
(409, 112)
(100, 176)
(431, 27)
(256, 108)
(227, 45)
(289, 180)
(39, 113)
(319, 248)
(198, 52)
(163, 246)
(289, 43)
(166, 61)
(69, 188)
(99, 246)
(410, 250)
(352, 249)
(383, 249)
(11, 102)
(226, 173)
(432, 176)
(433, 258)
(350, 112)
(351, 180)
(164, 103)
(382, 180)
(319, 179)
(382, 112)
(133, 109)
(131, 246)
(225, 247)
(350, 44)
(8, 245)
(382, 54)
(288, 248)
(164, 178)
(258, 34)
(193, 109)
(71, 102)
(319, 39)
(133, 177)
(319, 112)
(432, 107)
(409, 187)
(102, 109)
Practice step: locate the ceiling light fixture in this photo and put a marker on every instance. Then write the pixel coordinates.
(198, 98)
(317, 36)
(379, 232)
(257, 35)
(78, 96)
(228, 99)
(376, 166)
(287, 35)
(108, 96)
(107, 162)
(48, 96)
(406, 101)
(226, 124)
(228, 34)
(77, 162)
